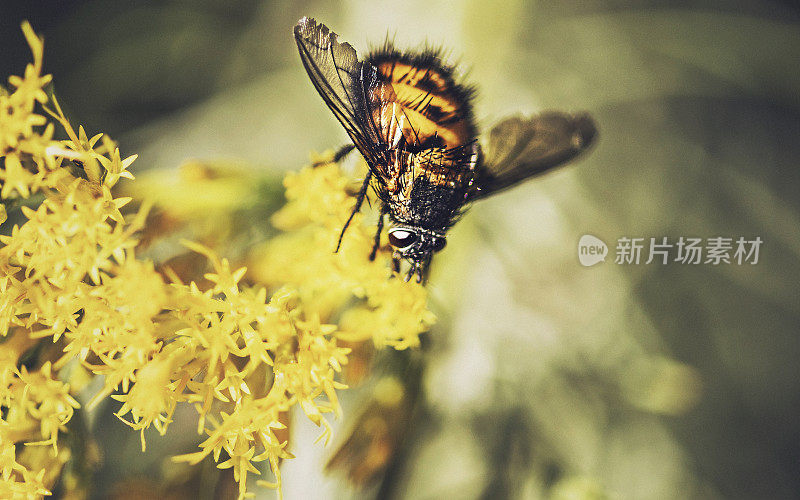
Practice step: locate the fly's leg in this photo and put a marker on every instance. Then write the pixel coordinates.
(343, 151)
(377, 243)
(359, 200)
(411, 271)
(337, 156)
(396, 262)
(419, 269)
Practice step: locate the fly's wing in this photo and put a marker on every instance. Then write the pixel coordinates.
(519, 148)
(343, 81)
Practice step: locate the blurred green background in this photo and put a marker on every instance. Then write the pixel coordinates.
(546, 379)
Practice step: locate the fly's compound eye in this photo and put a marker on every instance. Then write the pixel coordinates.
(402, 238)
(438, 244)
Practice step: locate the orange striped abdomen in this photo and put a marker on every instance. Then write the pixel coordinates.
(420, 107)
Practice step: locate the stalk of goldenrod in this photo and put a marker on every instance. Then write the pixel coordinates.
(70, 277)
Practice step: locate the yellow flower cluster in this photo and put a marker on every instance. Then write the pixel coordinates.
(70, 279)
(389, 312)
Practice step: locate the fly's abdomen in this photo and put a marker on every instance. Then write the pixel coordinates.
(419, 105)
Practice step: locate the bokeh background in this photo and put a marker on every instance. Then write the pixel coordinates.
(544, 379)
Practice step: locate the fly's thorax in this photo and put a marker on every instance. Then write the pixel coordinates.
(424, 204)
(429, 189)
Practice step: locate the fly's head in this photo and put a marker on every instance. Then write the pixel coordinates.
(415, 245)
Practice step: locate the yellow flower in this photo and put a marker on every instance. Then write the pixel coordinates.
(73, 279)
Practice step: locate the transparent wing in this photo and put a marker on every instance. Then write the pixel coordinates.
(519, 148)
(343, 81)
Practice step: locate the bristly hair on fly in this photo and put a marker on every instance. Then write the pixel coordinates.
(436, 57)
(413, 123)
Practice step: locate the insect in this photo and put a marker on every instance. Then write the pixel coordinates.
(412, 122)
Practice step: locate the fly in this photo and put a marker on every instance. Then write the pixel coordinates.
(412, 121)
